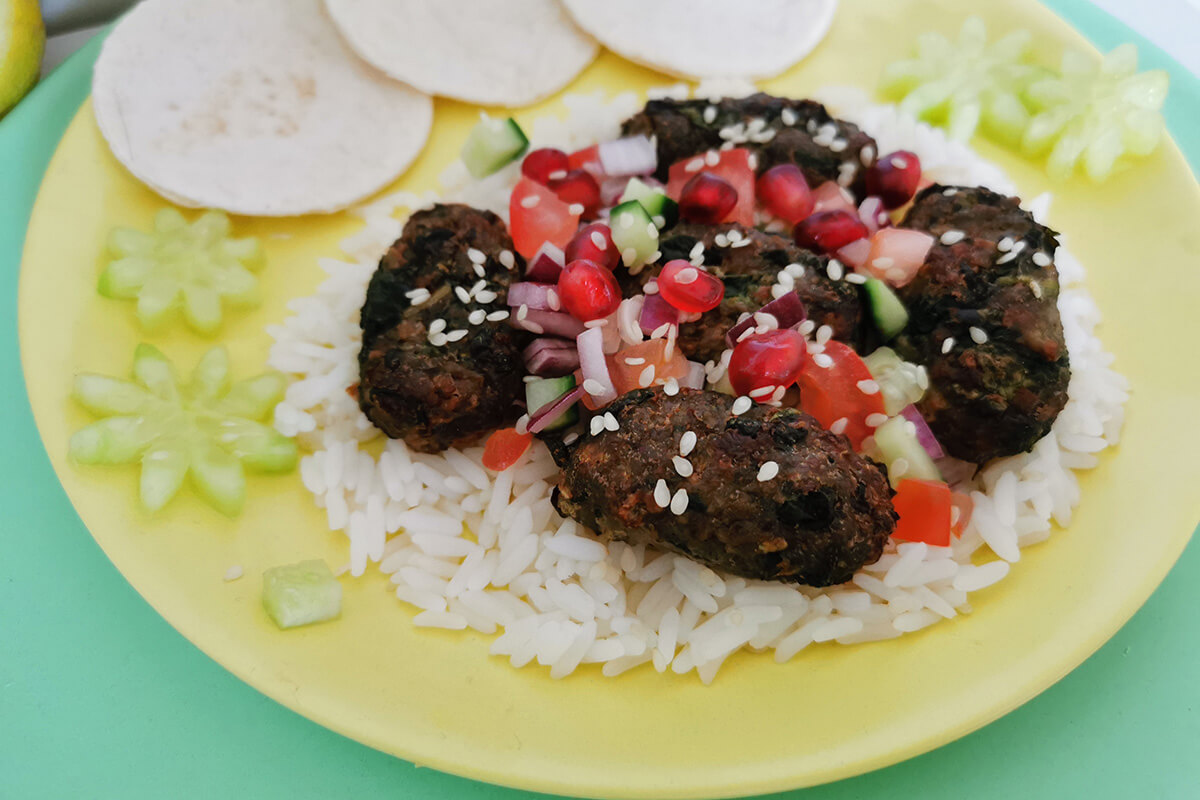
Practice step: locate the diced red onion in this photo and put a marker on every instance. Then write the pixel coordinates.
(631, 155)
(856, 253)
(551, 358)
(872, 214)
(657, 312)
(788, 309)
(546, 264)
(547, 414)
(611, 190)
(553, 323)
(925, 436)
(534, 295)
(594, 365)
(695, 377)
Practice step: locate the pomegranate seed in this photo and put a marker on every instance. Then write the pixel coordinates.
(707, 198)
(577, 186)
(775, 358)
(541, 164)
(894, 178)
(588, 291)
(785, 193)
(594, 242)
(689, 289)
(826, 231)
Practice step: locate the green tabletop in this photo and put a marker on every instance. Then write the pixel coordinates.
(99, 697)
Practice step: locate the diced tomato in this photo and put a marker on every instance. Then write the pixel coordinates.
(831, 197)
(897, 254)
(832, 393)
(732, 165)
(504, 448)
(537, 216)
(587, 159)
(924, 509)
(652, 353)
(965, 506)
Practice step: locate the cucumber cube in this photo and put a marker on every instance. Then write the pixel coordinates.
(301, 594)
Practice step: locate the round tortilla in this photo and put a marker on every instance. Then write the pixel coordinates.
(494, 53)
(708, 38)
(254, 107)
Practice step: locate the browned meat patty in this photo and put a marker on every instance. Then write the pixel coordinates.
(799, 132)
(825, 514)
(749, 272)
(999, 397)
(451, 394)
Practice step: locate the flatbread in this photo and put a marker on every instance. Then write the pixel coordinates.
(708, 38)
(252, 106)
(492, 52)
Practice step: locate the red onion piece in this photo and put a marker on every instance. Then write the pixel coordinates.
(612, 189)
(872, 213)
(544, 416)
(788, 309)
(534, 295)
(551, 358)
(924, 435)
(631, 155)
(546, 264)
(596, 380)
(553, 323)
(657, 312)
(695, 377)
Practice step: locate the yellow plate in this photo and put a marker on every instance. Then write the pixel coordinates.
(438, 699)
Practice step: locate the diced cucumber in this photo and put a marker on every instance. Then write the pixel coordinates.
(202, 308)
(219, 478)
(152, 370)
(300, 594)
(886, 309)
(158, 300)
(663, 211)
(114, 440)
(491, 144)
(259, 447)
(546, 390)
(254, 398)
(123, 242)
(103, 395)
(899, 380)
(210, 376)
(163, 470)
(124, 277)
(634, 234)
(896, 443)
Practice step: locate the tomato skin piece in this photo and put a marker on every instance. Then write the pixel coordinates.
(924, 509)
(965, 506)
(652, 352)
(831, 393)
(587, 159)
(548, 219)
(505, 448)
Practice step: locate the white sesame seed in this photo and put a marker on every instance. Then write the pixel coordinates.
(486, 296)
(646, 377)
(593, 386)
(777, 395)
(978, 335)
(610, 422)
(741, 405)
(522, 312)
(437, 326)
(682, 466)
(233, 573)
(1041, 259)
(712, 158)
(552, 300)
(1036, 288)
(766, 321)
(629, 255)
(651, 287)
(952, 237)
(900, 162)
(462, 294)
(595, 323)
(898, 467)
(575, 209)
(795, 270)
(867, 155)
(671, 387)
(571, 438)
(807, 327)
(837, 145)
(950, 192)
(746, 334)
(626, 220)
(911, 427)
(695, 165)
(456, 335)
(656, 255)
(839, 425)
(479, 270)
(762, 391)
(854, 277)
(530, 201)
(507, 260)
(660, 331)
(634, 361)
(651, 231)
(955, 513)
(533, 327)
(710, 114)
(785, 280)
(883, 262)
(410, 294)
(824, 334)
(437, 339)
(822, 360)
(788, 116)
(1005, 244)
(596, 426)
(868, 386)
(834, 270)
(599, 241)
(922, 378)
(497, 316)
(721, 240)
(679, 502)
(687, 443)
(697, 250)
(557, 175)
(662, 494)
(875, 420)
(948, 345)
(476, 255)
(767, 471)
(522, 425)
(778, 291)
(895, 274)
(477, 316)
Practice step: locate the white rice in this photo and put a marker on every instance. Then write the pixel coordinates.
(472, 549)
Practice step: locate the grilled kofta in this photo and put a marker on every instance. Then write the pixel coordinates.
(441, 384)
(781, 130)
(984, 321)
(769, 493)
(748, 272)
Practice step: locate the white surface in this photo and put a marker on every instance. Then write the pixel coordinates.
(1171, 24)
